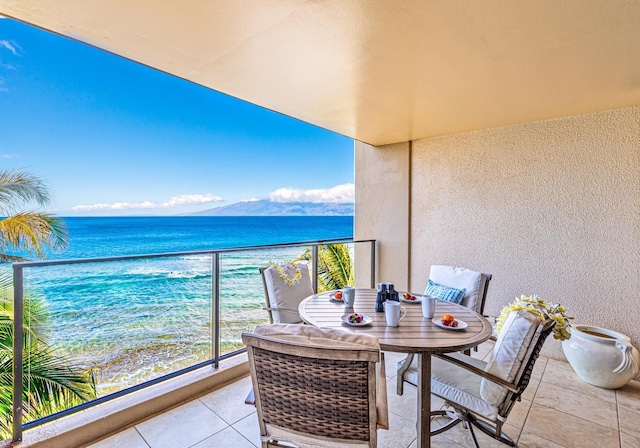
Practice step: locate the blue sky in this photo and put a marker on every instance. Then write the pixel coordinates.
(112, 137)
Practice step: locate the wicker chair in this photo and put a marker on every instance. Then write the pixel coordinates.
(482, 394)
(476, 285)
(317, 387)
(282, 300)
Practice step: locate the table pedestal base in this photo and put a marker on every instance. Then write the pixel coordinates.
(423, 422)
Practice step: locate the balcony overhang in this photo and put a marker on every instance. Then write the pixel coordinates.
(375, 70)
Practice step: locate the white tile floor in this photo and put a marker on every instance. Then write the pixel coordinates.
(557, 410)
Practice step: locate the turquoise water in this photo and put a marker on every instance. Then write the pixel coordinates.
(134, 320)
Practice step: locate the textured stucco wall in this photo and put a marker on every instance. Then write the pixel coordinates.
(549, 208)
(382, 211)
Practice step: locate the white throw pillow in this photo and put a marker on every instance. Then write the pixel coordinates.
(460, 278)
(518, 333)
(282, 295)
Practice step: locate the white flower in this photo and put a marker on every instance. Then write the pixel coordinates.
(539, 307)
(283, 275)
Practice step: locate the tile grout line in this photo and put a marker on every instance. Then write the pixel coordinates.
(243, 436)
(604, 426)
(545, 439)
(579, 418)
(229, 425)
(141, 436)
(539, 381)
(533, 399)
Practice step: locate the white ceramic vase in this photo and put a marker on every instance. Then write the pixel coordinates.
(602, 357)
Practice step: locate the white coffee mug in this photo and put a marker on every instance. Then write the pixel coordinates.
(428, 306)
(348, 296)
(392, 312)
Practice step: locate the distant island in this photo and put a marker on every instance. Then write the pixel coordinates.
(272, 208)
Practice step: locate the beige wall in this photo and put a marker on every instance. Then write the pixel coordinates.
(549, 208)
(382, 211)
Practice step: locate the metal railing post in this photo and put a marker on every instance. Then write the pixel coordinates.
(215, 308)
(373, 264)
(314, 264)
(18, 302)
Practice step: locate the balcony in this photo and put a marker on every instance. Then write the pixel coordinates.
(557, 410)
(512, 149)
(204, 406)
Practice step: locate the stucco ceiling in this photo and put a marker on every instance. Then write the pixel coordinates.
(379, 71)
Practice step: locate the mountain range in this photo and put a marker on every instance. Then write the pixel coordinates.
(272, 208)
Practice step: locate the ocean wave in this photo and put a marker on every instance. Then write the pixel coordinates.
(169, 273)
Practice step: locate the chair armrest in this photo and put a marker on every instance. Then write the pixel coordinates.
(407, 363)
(382, 408)
(286, 310)
(251, 398)
(494, 379)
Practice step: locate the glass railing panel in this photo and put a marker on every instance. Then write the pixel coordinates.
(128, 321)
(242, 293)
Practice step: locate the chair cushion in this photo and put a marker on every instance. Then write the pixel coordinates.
(456, 384)
(319, 337)
(518, 333)
(444, 292)
(460, 278)
(286, 296)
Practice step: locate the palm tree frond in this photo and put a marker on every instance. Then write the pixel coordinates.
(335, 266)
(17, 187)
(50, 382)
(32, 232)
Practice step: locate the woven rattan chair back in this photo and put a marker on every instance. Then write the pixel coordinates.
(325, 395)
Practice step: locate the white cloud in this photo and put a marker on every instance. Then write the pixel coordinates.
(344, 193)
(176, 201)
(12, 47)
(10, 156)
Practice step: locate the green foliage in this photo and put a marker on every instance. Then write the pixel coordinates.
(28, 231)
(50, 382)
(335, 266)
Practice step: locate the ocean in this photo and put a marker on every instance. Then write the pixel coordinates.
(131, 321)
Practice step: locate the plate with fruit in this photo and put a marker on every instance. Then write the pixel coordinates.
(357, 320)
(410, 298)
(448, 322)
(336, 297)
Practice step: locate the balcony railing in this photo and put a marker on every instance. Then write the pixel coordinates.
(137, 320)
